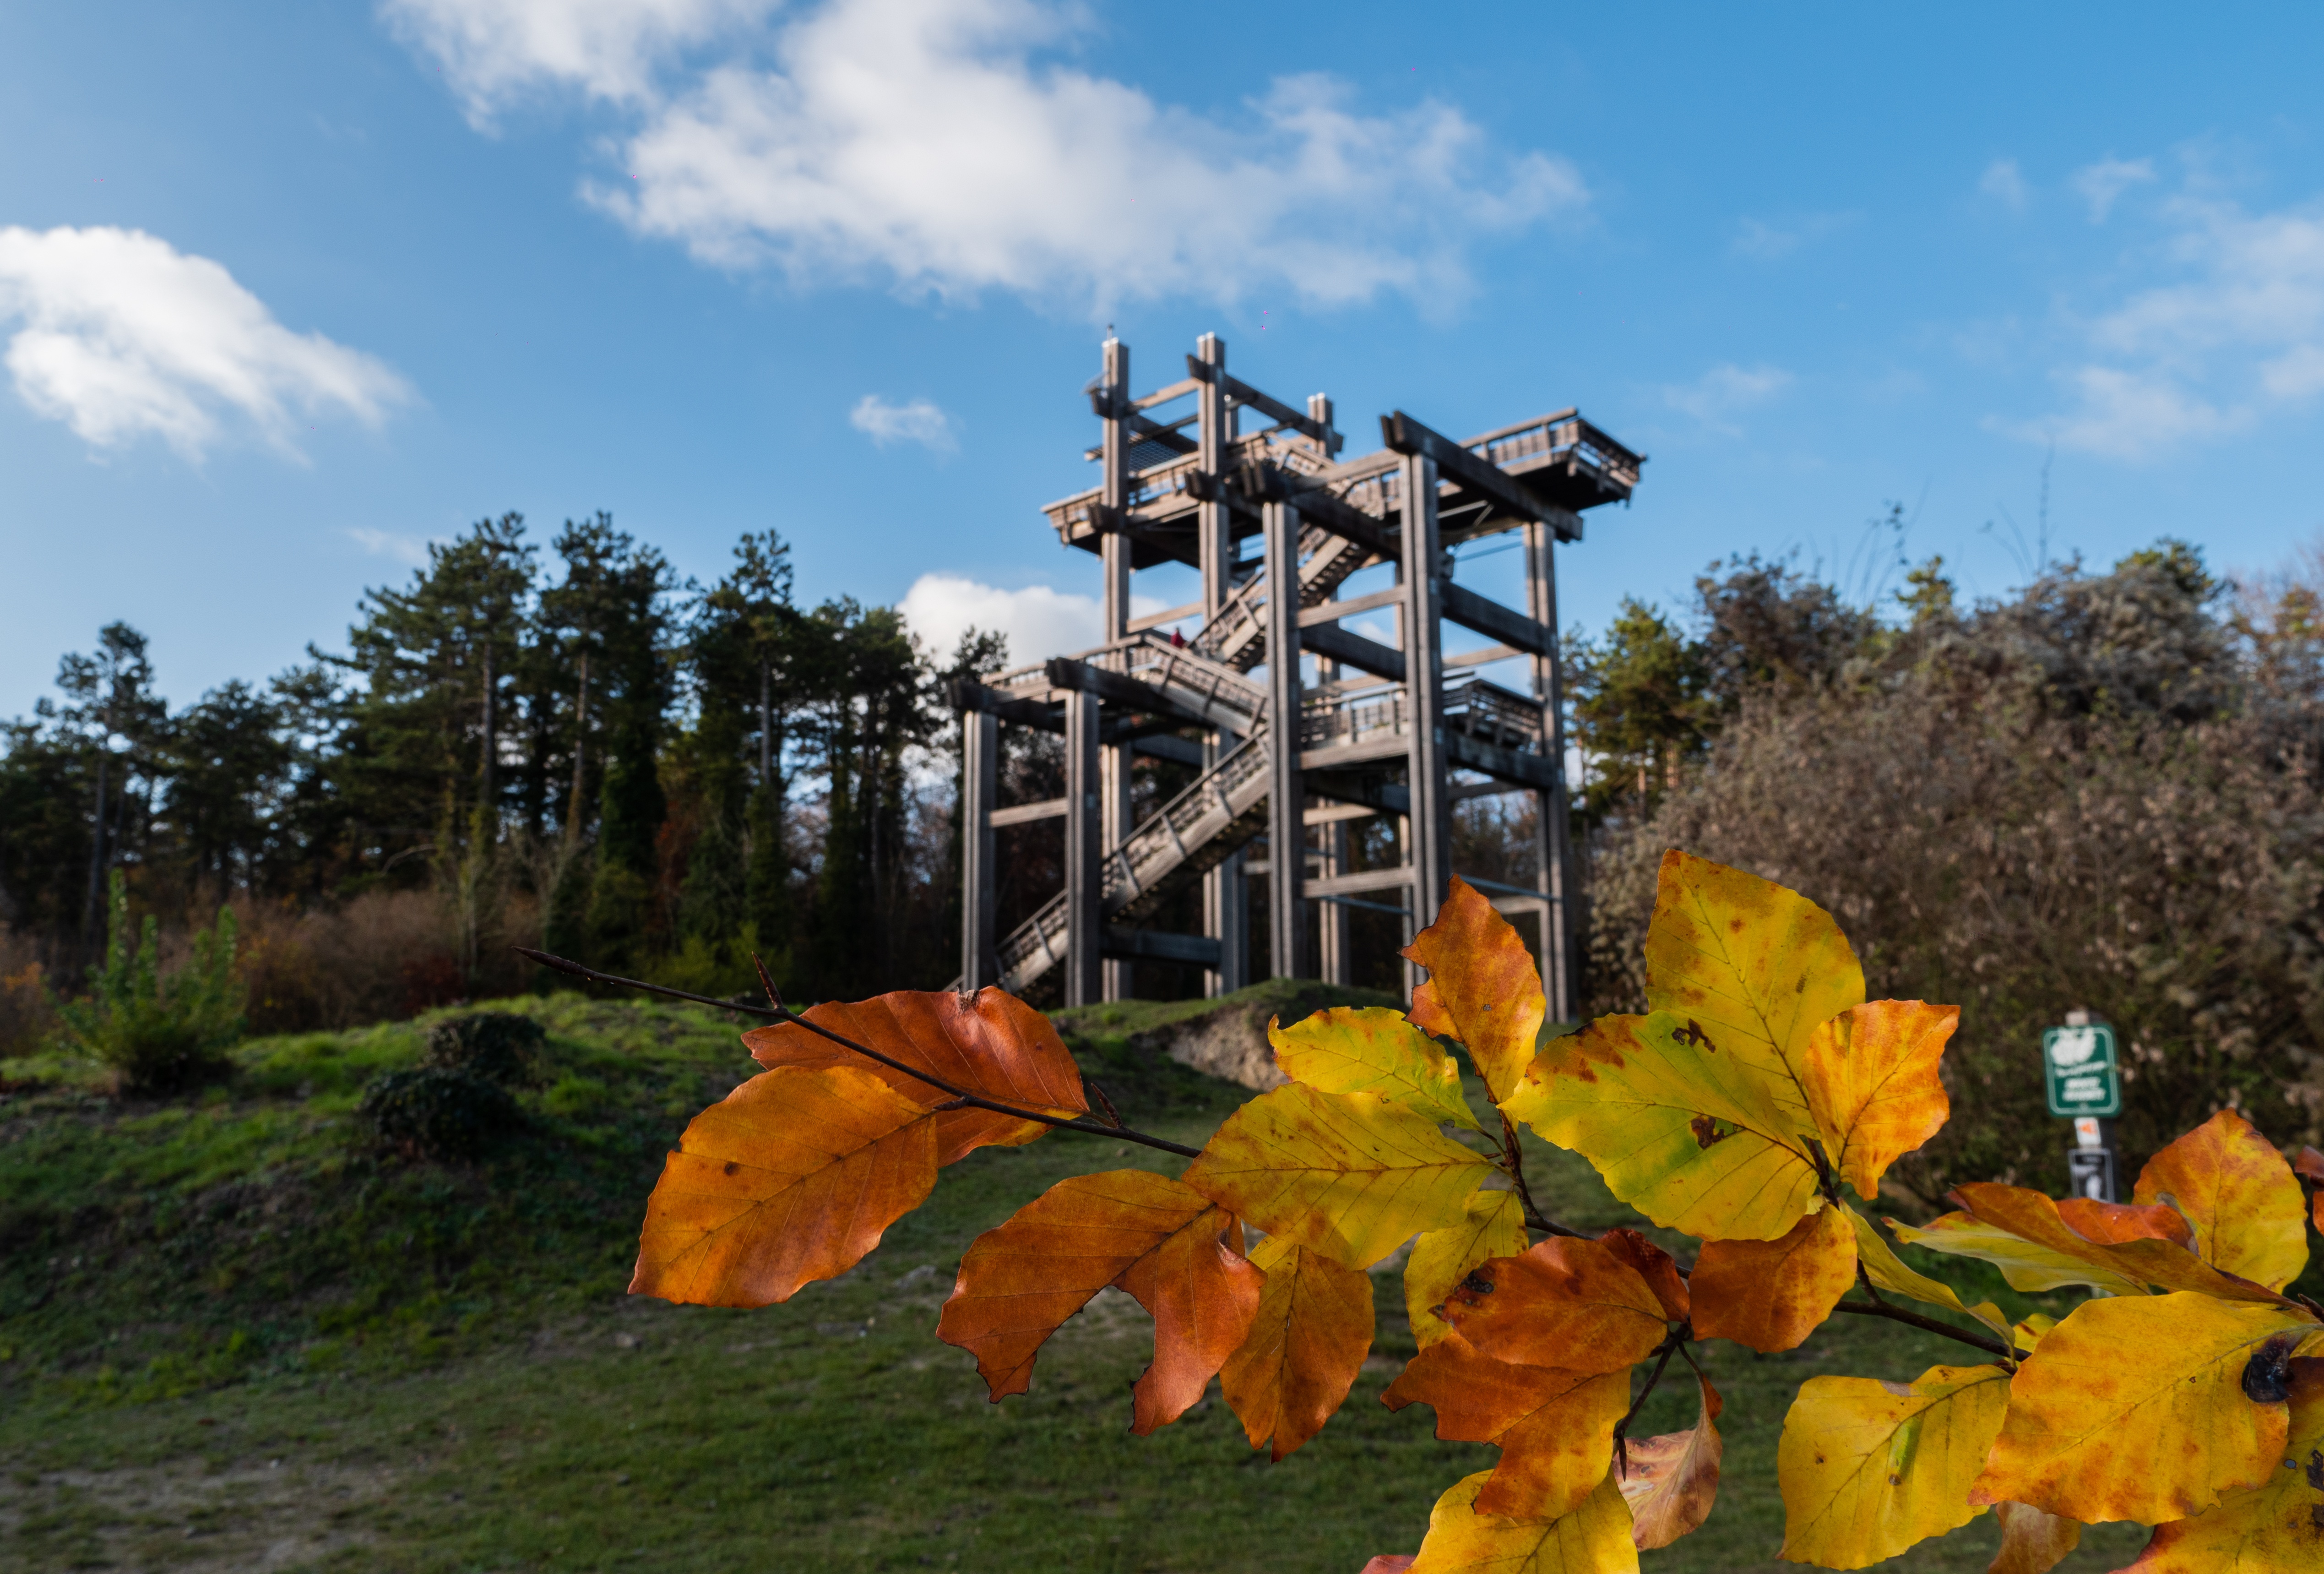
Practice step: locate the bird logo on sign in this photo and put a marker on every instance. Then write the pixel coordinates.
(2073, 1046)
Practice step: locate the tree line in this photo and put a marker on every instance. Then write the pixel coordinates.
(564, 744)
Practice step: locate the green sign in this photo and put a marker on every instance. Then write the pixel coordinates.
(2082, 1072)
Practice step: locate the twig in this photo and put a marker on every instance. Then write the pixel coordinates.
(779, 1013)
(1930, 1325)
(1622, 1427)
(1513, 1161)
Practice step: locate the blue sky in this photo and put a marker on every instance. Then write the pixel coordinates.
(287, 289)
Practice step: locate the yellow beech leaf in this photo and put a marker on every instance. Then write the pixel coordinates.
(2142, 1243)
(1483, 988)
(1868, 1469)
(1307, 1342)
(1759, 966)
(1680, 1127)
(1888, 1272)
(2273, 1528)
(792, 1178)
(1494, 1227)
(1771, 1295)
(1566, 1302)
(1594, 1539)
(2139, 1408)
(1350, 1174)
(2031, 1542)
(1369, 1049)
(1555, 1426)
(1871, 1075)
(2241, 1198)
(2026, 1264)
(1673, 1479)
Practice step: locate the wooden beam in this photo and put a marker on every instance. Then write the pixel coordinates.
(1275, 410)
(1511, 628)
(1026, 813)
(968, 694)
(1484, 657)
(1161, 946)
(1286, 837)
(1456, 464)
(1348, 606)
(1353, 650)
(1353, 787)
(979, 784)
(1084, 873)
(1164, 396)
(1083, 678)
(1177, 750)
(1474, 753)
(1157, 619)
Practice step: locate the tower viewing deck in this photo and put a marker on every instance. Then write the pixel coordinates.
(1284, 728)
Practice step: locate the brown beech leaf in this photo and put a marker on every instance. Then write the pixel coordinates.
(2155, 1259)
(1871, 1076)
(1483, 987)
(1771, 1295)
(1494, 1227)
(1307, 1343)
(1164, 1243)
(1464, 1539)
(792, 1178)
(1555, 1426)
(2277, 1525)
(1673, 1479)
(996, 1046)
(1755, 967)
(2241, 1198)
(2140, 1407)
(1566, 1302)
(2032, 1540)
(1652, 1264)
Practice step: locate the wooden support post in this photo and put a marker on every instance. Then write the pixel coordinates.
(1332, 949)
(1225, 907)
(1114, 785)
(1560, 940)
(1287, 828)
(1084, 875)
(979, 787)
(1430, 842)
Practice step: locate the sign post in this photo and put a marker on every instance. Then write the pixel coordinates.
(2085, 1085)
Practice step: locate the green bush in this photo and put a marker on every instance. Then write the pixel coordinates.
(436, 1113)
(159, 1034)
(498, 1046)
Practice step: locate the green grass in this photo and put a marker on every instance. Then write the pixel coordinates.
(438, 1370)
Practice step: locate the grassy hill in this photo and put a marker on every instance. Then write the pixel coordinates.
(233, 1337)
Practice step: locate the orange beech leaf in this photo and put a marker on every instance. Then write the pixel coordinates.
(1555, 1427)
(2032, 1542)
(1759, 967)
(996, 1046)
(1871, 1076)
(1677, 1126)
(1655, 1266)
(1887, 1271)
(1388, 1563)
(1868, 1469)
(2310, 1164)
(1483, 987)
(1566, 1302)
(2152, 1259)
(792, 1179)
(1313, 1330)
(1494, 1227)
(2138, 1407)
(2241, 1198)
(1771, 1295)
(2112, 1223)
(1463, 1539)
(1350, 1174)
(1164, 1243)
(1673, 1479)
(1371, 1049)
(2277, 1525)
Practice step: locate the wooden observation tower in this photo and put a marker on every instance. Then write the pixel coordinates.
(1286, 753)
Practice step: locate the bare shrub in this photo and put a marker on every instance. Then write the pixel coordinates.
(383, 954)
(27, 1016)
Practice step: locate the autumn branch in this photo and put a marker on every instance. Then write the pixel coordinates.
(1930, 1325)
(777, 1012)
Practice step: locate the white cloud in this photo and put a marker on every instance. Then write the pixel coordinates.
(2240, 335)
(494, 50)
(1038, 620)
(2005, 184)
(927, 145)
(383, 544)
(1756, 237)
(2101, 183)
(1725, 392)
(919, 421)
(119, 336)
